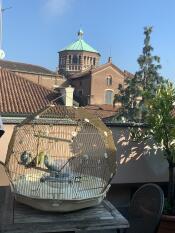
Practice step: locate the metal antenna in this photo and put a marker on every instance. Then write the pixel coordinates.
(2, 53)
(110, 52)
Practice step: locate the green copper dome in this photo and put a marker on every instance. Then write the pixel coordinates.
(80, 45)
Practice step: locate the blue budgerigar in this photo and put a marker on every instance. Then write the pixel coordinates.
(51, 165)
(25, 158)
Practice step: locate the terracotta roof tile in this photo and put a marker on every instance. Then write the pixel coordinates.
(102, 111)
(21, 96)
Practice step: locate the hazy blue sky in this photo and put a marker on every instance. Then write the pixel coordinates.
(35, 30)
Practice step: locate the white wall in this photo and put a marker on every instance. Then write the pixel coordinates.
(4, 141)
(137, 162)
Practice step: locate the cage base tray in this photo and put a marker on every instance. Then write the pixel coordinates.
(55, 205)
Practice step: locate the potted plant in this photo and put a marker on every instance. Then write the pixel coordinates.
(160, 127)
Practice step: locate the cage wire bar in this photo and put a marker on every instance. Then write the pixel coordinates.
(61, 159)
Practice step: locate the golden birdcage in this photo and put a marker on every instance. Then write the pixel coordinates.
(61, 159)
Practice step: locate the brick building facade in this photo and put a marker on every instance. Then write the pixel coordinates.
(97, 86)
(77, 57)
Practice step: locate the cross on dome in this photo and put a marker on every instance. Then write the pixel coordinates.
(80, 34)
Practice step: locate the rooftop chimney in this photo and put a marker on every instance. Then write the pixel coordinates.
(68, 96)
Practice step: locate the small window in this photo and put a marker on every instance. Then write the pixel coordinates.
(75, 59)
(109, 81)
(109, 96)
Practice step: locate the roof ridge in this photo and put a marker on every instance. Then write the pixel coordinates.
(95, 69)
(81, 41)
(29, 64)
(105, 65)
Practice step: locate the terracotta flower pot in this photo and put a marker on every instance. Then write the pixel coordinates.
(167, 224)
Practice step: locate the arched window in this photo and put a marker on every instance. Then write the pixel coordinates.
(79, 59)
(74, 59)
(109, 96)
(94, 62)
(109, 81)
(70, 59)
(84, 59)
(91, 60)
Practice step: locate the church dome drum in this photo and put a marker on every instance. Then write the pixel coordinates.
(77, 57)
(61, 159)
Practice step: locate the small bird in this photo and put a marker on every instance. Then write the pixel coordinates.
(51, 165)
(40, 158)
(36, 161)
(25, 158)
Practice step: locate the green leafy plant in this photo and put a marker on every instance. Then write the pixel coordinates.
(167, 207)
(160, 122)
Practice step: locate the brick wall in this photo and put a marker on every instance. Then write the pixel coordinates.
(47, 81)
(99, 84)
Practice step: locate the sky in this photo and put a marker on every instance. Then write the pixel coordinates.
(35, 30)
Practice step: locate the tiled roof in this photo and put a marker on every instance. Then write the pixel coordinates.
(23, 67)
(80, 45)
(96, 69)
(81, 74)
(128, 74)
(102, 111)
(19, 96)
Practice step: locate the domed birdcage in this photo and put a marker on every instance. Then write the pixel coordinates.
(61, 159)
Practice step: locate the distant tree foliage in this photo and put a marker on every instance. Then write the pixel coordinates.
(141, 86)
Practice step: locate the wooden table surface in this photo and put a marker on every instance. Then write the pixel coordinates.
(19, 218)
